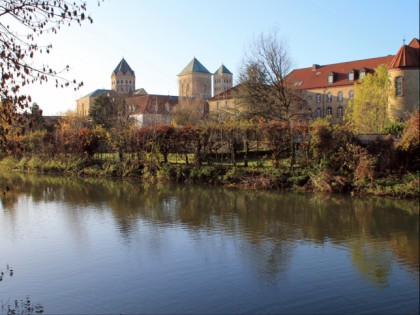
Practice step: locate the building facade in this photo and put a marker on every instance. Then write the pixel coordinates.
(328, 88)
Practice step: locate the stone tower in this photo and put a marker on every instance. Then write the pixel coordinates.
(194, 81)
(404, 72)
(222, 80)
(123, 79)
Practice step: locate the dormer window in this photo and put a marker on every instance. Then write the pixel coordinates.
(362, 73)
(331, 78)
(351, 75)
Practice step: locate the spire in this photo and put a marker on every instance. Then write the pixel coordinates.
(222, 70)
(194, 66)
(123, 67)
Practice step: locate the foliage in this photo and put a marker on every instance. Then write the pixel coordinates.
(23, 22)
(368, 111)
(410, 140)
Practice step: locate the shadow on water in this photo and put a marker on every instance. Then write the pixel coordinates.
(270, 222)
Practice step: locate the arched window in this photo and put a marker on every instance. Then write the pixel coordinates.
(340, 96)
(329, 97)
(351, 94)
(399, 88)
(318, 98)
(340, 112)
(318, 112)
(329, 111)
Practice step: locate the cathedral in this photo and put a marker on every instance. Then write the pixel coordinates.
(195, 86)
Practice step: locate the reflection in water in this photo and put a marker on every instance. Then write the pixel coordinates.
(264, 228)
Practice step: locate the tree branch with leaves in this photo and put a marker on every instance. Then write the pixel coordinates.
(22, 23)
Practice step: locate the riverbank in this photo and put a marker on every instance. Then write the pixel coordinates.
(255, 177)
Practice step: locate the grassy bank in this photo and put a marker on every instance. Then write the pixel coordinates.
(258, 176)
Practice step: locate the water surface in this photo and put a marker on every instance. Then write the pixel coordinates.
(109, 247)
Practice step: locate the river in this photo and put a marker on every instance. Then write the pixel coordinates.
(90, 246)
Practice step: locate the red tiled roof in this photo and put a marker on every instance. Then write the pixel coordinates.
(317, 76)
(153, 104)
(407, 56)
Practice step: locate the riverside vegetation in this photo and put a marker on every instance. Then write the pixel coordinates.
(250, 155)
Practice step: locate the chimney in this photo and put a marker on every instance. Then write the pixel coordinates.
(315, 67)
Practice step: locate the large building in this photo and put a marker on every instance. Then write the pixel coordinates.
(123, 80)
(328, 88)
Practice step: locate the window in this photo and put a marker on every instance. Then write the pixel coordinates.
(331, 78)
(309, 113)
(318, 112)
(399, 91)
(351, 76)
(329, 97)
(340, 96)
(362, 73)
(329, 111)
(318, 98)
(340, 112)
(351, 94)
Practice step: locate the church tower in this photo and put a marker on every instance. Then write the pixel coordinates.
(123, 79)
(194, 81)
(222, 80)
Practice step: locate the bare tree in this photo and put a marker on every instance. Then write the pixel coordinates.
(265, 88)
(21, 25)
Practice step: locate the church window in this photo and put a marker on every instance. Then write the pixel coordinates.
(399, 88)
(329, 111)
(340, 96)
(318, 98)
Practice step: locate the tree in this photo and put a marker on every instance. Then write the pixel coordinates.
(22, 24)
(265, 90)
(368, 111)
(112, 112)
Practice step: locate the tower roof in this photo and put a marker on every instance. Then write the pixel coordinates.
(222, 70)
(407, 56)
(123, 67)
(194, 66)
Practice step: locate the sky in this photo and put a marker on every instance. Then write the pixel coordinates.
(158, 38)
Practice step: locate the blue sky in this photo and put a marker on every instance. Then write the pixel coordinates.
(158, 38)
